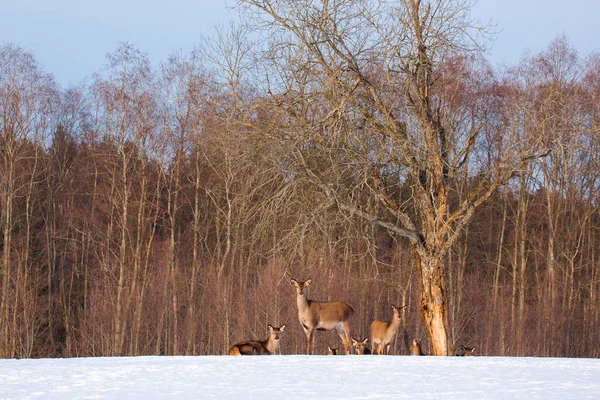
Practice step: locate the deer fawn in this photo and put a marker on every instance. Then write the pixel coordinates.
(360, 346)
(415, 348)
(332, 351)
(259, 347)
(383, 333)
(322, 316)
(465, 351)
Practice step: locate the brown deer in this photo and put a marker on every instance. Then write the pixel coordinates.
(332, 351)
(360, 346)
(383, 333)
(465, 351)
(415, 348)
(259, 347)
(322, 316)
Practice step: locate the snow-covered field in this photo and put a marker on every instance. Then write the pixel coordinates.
(301, 377)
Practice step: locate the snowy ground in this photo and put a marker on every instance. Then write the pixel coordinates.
(301, 377)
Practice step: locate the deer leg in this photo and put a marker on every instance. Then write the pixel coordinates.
(340, 330)
(374, 346)
(387, 348)
(310, 338)
(345, 328)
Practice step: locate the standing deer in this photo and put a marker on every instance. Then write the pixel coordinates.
(415, 348)
(465, 351)
(259, 347)
(322, 316)
(360, 346)
(383, 333)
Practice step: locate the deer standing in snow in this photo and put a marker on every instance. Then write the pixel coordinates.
(322, 316)
(383, 333)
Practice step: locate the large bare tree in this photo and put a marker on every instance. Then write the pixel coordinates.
(379, 102)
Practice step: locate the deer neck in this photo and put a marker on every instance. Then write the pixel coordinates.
(395, 324)
(302, 303)
(271, 344)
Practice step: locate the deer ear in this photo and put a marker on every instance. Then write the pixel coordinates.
(308, 281)
(270, 328)
(282, 327)
(366, 340)
(354, 341)
(293, 282)
(393, 307)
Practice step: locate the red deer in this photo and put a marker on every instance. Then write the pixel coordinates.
(360, 346)
(383, 333)
(322, 316)
(259, 347)
(465, 351)
(415, 348)
(332, 351)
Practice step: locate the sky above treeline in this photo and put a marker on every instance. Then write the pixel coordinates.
(70, 38)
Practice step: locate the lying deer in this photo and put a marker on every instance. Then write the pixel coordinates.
(383, 333)
(322, 316)
(360, 346)
(259, 347)
(332, 351)
(465, 351)
(415, 348)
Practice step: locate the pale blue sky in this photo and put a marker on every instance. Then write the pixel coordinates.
(70, 38)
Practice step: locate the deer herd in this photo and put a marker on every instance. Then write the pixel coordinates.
(327, 316)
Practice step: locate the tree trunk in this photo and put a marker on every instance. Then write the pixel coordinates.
(119, 318)
(433, 306)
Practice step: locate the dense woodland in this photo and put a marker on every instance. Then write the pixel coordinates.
(163, 210)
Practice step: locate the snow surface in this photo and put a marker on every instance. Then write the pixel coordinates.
(301, 377)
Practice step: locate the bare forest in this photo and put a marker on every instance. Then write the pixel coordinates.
(163, 209)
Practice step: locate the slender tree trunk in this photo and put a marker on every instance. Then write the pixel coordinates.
(7, 195)
(119, 318)
(191, 314)
(137, 317)
(519, 267)
(138, 253)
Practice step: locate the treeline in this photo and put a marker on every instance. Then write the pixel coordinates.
(153, 211)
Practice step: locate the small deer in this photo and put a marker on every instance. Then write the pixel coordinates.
(360, 346)
(383, 333)
(465, 351)
(332, 351)
(322, 316)
(259, 347)
(415, 348)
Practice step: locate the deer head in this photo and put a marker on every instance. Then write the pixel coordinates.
(276, 332)
(301, 286)
(397, 312)
(360, 345)
(467, 350)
